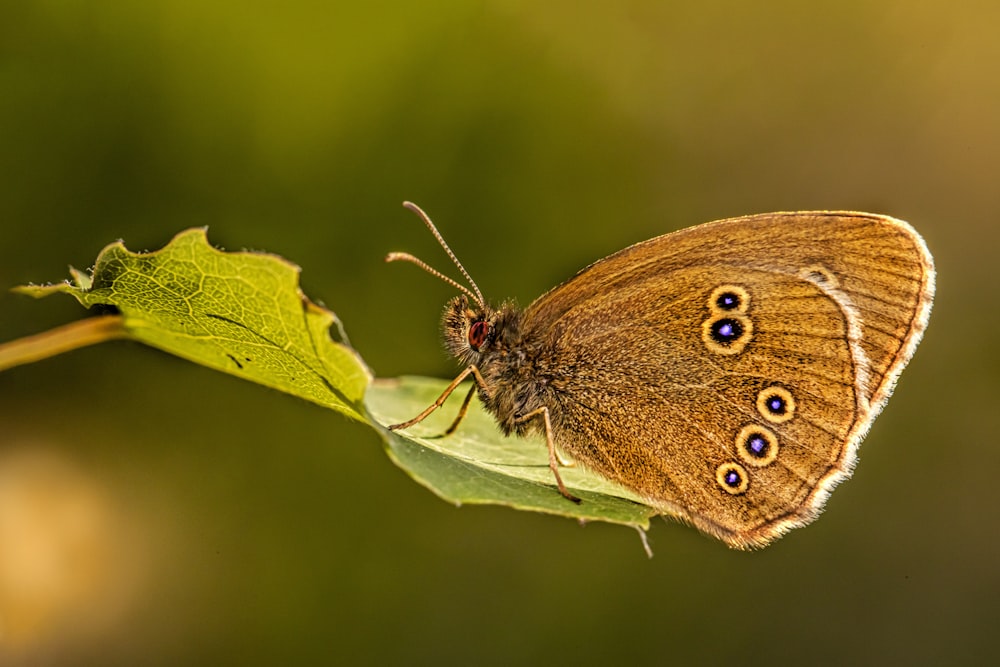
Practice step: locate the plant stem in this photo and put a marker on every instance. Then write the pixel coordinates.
(68, 337)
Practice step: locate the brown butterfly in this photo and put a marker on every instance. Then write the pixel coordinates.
(725, 373)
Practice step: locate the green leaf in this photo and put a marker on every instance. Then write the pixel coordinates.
(477, 464)
(241, 312)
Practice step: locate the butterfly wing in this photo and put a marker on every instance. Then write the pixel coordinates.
(727, 372)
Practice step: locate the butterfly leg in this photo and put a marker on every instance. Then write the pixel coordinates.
(543, 412)
(462, 410)
(471, 370)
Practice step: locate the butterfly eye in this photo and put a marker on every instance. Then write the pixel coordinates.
(478, 333)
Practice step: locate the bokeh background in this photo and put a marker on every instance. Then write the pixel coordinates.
(155, 512)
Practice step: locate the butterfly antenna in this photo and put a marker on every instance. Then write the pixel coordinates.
(406, 257)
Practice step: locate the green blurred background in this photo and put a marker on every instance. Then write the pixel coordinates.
(155, 512)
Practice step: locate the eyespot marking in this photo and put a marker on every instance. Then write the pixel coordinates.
(776, 404)
(756, 445)
(733, 478)
(729, 299)
(727, 333)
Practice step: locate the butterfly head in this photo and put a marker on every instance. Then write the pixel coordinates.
(477, 334)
